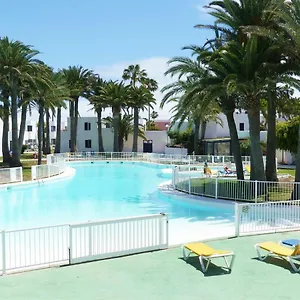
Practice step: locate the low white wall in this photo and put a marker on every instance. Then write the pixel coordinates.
(285, 157)
(159, 141)
(175, 151)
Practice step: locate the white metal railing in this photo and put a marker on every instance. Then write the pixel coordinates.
(155, 157)
(56, 164)
(254, 218)
(10, 175)
(195, 183)
(33, 248)
(113, 238)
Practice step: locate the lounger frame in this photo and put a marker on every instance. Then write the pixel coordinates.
(207, 259)
(270, 253)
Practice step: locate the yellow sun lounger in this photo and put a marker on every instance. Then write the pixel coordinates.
(207, 253)
(277, 250)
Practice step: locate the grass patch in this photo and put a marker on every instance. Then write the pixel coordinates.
(287, 171)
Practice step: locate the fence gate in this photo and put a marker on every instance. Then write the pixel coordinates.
(112, 238)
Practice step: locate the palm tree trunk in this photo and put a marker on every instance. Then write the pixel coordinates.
(76, 112)
(40, 133)
(296, 192)
(116, 119)
(22, 126)
(58, 131)
(271, 172)
(235, 144)
(99, 121)
(47, 133)
(121, 143)
(202, 136)
(257, 172)
(5, 144)
(135, 129)
(15, 159)
(196, 136)
(72, 122)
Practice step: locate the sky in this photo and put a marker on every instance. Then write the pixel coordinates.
(107, 36)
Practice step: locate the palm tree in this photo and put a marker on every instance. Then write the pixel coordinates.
(290, 24)
(125, 128)
(98, 104)
(77, 79)
(137, 76)
(115, 95)
(191, 106)
(139, 98)
(237, 21)
(18, 64)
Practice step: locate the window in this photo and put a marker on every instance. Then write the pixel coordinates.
(53, 141)
(87, 126)
(107, 125)
(29, 127)
(70, 144)
(242, 126)
(53, 128)
(88, 143)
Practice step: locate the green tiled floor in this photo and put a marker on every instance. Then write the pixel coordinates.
(162, 275)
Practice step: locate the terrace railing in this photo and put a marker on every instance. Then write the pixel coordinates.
(34, 248)
(255, 218)
(11, 175)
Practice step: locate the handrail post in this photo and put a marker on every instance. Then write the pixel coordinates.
(237, 220)
(3, 252)
(216, 188)
(255, 190)
(189, 184)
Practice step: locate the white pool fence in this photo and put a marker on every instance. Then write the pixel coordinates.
(34, 248)
(268, 217)
(11, 175)
(56, 165)
(155, 157)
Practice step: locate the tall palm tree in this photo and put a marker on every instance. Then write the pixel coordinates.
(290, 24)
(134, 74)
(77, 79)
(139, 98)
(115, 95)
(97, 84)
(136, 77)
(194, 107)
(18, 64)
(235, 20)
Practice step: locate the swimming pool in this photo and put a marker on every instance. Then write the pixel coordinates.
(103, 190)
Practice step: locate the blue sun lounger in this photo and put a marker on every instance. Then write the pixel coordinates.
(290, 242)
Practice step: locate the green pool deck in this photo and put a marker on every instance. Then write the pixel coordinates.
(162, 275)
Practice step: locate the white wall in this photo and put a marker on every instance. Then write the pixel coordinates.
(285, 157)
(214, 130)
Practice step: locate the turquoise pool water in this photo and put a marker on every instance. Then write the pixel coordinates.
(101, 190)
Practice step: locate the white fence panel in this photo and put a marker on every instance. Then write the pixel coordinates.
(118, 237)
(253, 218)
(9, 175)
(29, 248)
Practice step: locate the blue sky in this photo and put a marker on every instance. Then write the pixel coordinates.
(106, 35)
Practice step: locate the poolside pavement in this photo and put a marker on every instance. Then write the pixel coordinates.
(162, 275)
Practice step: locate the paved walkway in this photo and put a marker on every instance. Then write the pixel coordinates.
(162, 275)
